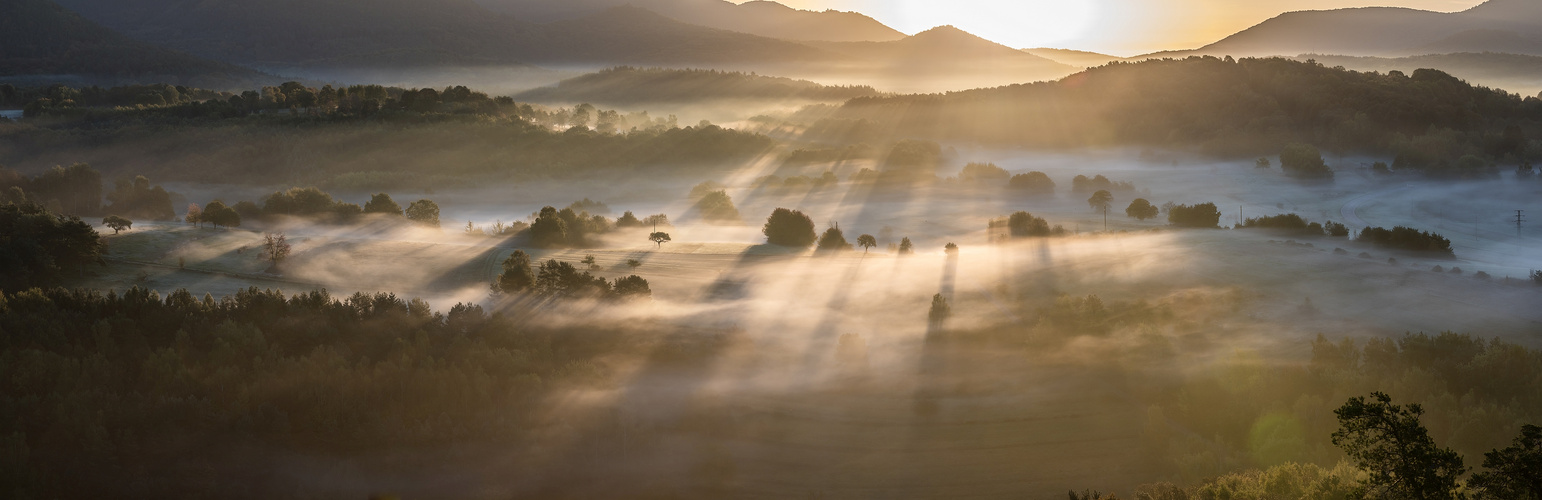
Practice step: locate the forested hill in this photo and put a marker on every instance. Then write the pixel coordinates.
(1214, 105)
(40, 37)
(627, 85)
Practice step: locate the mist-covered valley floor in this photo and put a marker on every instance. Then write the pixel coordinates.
(762, 371)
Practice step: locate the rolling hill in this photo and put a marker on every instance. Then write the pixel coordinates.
(1512, 72)
(1077, 58)
(623, 86)
(942, 58)
(42, 39)
(759, 17)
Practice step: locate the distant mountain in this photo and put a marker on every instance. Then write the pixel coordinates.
(407, 34)
(1076, 58)
(1512, 72)
(42, 39)
(1494, 26)
(764, 18)
(946, 54)
(624, 86)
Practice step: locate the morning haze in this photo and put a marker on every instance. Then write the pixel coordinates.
(487, 249)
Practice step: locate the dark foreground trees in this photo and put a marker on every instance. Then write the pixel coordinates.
(1514, 472)
(1405, 238)
(1393, 447)
(789, 228)
(38, 247)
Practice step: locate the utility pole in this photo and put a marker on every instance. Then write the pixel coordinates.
(1520, 216)
(1105, 218)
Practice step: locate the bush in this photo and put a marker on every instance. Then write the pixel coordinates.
(1304, 161)
(1405, 238)
(1141, 209)
(1032, 182)
(789, 228)
(1203, 215)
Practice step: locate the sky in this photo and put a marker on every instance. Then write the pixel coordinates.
(1119, 27)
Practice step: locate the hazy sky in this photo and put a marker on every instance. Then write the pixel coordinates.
(1122, 27)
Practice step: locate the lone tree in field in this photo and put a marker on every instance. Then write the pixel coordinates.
(940, 310)
(833, 239)
(633, 264)
(424, 212)
(659, 237)
(1389, 443)
(194, 214)
(906, 247)
(1101, 200)
(950, 249)
(789, 228)
(117, 224)
(1514, 472)
(1141, 209)
(275, 248)
(382, 203)
(517, 275)
(867, 242)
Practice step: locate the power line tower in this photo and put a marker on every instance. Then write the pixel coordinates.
(1520, 217)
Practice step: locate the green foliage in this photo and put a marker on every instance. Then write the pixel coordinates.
(218, 214)
(517, 275)
(1035, 182)
(136, 199)
(381, 203)
(1394, 448)
(1141, 209)
(1203, 215)
(1304, 161)
(118, 224)
(74, 190)
(38, 247)
(424, 212)
(1514, 472)
(789, 228)
(1406, 238)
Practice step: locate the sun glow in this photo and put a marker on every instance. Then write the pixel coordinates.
(1021, 24)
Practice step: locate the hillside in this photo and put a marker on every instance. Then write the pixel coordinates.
(41, 37)
(1512, 72)
(939, 59)
(1244, 107)
(407, 34)
(763, 18)
(1078, 58)
(624, 86)
(1494, 26)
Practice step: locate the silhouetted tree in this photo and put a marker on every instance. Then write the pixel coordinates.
(867, 242)
(1514, 472)
(561, 279)
(631, 288)
(633, 264)
(950, 249)
(137, 199)
(1025, 225)
(117, 224)
(548, 230)
(37, 246)
(517, 276)
(906, 247)
(381, 203)
(789, 228)
(628, 220)
(275, 248)
(716, 206)
(218, 214)
(1393, 447)
(940, 310)
(1101, 200)
(1304, 161)
(1032, 182)
(424, 212)
(1204, 215)
(659, 238)
(833, 239)
(1141, 209)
